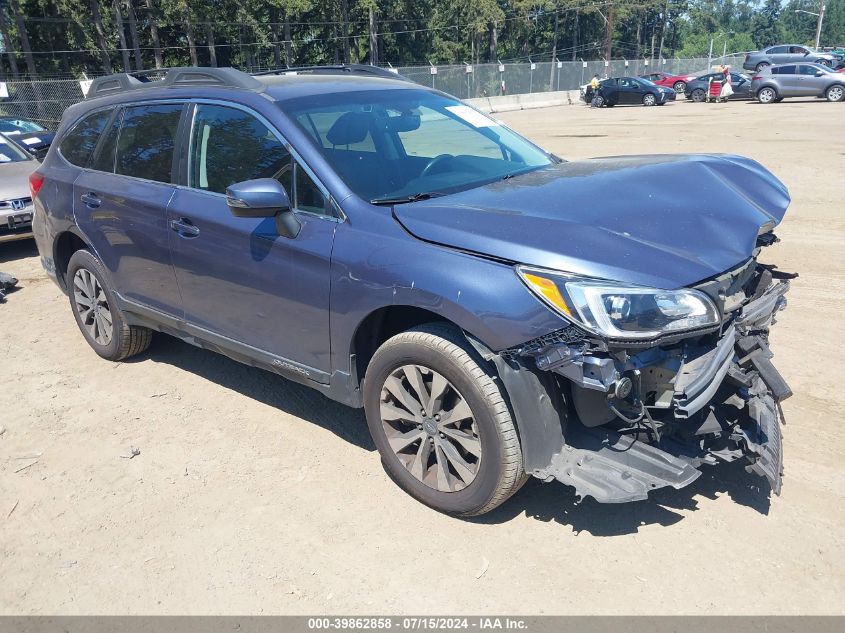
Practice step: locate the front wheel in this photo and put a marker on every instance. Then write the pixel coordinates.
(824, 62)
(97, 315)
(649, 100)
(680, 87)
(698, 95)
(762, 65)
(835, 93)
(767, 95)
(440, 422)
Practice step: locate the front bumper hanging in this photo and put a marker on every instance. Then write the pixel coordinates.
(646, 418)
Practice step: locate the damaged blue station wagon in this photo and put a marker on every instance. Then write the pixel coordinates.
(499, 313)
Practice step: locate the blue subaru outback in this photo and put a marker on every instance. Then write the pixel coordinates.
(498, 312)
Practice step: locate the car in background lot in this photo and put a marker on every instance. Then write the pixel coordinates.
(697, 88)
(15, 200)
(678, 83)
(775, 83)
(632, 91)
(30, 135)
(785, 53)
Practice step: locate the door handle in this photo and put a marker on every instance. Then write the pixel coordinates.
(184, 227)
(91, 200)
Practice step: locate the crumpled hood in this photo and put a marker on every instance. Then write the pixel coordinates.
(664, 221)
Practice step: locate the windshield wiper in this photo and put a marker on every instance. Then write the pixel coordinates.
(414, 197)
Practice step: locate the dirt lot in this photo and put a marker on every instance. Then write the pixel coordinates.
(255, 495)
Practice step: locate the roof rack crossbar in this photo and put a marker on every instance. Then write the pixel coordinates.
(334, 69)
(174, 78)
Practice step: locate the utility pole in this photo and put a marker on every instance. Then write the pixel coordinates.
(609, 45)
(819, 26)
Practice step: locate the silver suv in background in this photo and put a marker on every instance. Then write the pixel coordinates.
(774, 83)
(785, 53)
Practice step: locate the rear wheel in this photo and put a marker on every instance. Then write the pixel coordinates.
(835, 93)
(824, 62)
(649, 99)
(440, 422)
(97, 315)
(680, 86)
(767, 95)
(762, 65)
(698, 95)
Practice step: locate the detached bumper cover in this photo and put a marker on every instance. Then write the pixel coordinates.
(710, 399)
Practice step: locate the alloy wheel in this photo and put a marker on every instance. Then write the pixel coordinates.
(92, 307)
(679, 87)
(698, 95)
(648, 100)
(835, 93)
(430, 428)
(766, 95)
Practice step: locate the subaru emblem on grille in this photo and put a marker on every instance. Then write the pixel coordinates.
(18, 204)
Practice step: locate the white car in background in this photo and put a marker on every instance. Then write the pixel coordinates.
(15, 201)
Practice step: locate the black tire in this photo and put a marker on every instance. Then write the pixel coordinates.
(824, 62)
(649, 99)
(597, 102)
(443, 349)
(762, 65)
(835, 93)
(680, 87)
(126, 340)
(698, 95)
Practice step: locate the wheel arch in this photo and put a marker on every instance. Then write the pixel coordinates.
(65, 245)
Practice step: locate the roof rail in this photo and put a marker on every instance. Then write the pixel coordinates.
(174, 78)
(337, 69)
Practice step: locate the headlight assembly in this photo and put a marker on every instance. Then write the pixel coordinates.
(621, 311)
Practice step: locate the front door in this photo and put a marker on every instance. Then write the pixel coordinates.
(120, 203)
(238, 277)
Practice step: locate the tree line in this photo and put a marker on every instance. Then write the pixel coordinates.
(71, 37)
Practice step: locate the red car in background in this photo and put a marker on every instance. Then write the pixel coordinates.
(678, 82)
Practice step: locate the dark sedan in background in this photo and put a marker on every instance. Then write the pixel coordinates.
(30, 135)
(696, 89)
(631, 91)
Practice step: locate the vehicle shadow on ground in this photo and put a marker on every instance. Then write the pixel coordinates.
(11, 251)
(556, 502)
(285, 395)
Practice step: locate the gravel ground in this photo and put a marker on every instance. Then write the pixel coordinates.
(255, 495)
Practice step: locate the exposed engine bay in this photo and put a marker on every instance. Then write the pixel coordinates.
(637, 416)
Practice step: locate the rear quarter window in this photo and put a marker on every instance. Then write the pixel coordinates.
(80, 141)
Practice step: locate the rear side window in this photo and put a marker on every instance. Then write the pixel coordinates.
(104, 157)
(147, 140)
(784, 70)
(78, 144)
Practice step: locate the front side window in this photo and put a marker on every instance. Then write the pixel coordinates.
(147, 140)
(79, 143)
(229, 146)
(426, 142)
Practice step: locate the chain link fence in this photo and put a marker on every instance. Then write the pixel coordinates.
(45, 101)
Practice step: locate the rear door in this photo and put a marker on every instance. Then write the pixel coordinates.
(787, 80)
(244, 285)
(120, 203)
(778, 54)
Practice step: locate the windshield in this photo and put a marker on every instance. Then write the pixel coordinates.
(10, 153)
(396, 144)
(17, 126)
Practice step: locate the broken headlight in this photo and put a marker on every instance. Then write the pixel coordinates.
(621, 311)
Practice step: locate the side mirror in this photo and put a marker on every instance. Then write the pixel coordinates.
(263, 198)
(819, 73)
